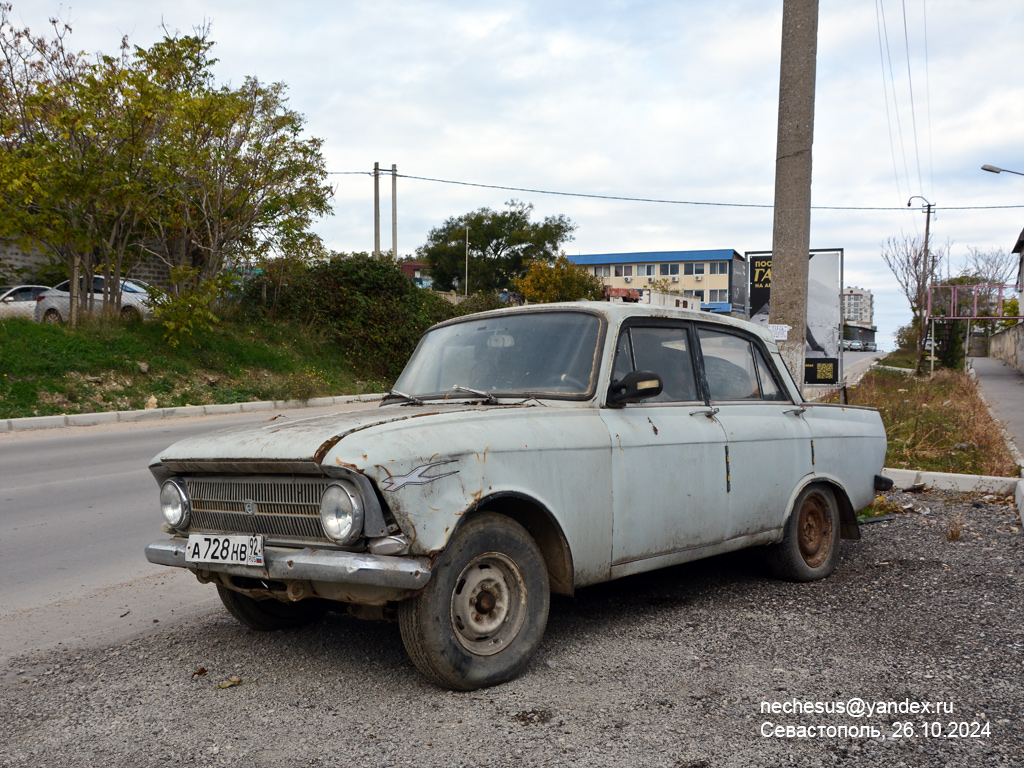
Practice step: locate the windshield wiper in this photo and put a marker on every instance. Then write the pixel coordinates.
(487, 396)
(407, 398)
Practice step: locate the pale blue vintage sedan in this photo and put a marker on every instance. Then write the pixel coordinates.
(522, 452)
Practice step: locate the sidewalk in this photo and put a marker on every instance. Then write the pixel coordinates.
(1003, 389)
(112, 417)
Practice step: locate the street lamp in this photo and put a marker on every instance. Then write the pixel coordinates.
(467, 261)
(994, 169)
(1020, 269)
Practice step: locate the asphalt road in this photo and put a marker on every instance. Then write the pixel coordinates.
(78, 506)
(856, 364)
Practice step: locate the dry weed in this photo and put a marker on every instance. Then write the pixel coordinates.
(936, 423)
(955, 530)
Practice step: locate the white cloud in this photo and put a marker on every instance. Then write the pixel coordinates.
(656, 99)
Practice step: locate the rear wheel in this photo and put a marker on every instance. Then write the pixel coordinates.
(270, 614)
(52, 316)
(810, 543)
(484, 610)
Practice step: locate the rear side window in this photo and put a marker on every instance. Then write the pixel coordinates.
(736, 369)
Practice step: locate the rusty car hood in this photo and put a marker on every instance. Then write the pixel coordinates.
(298, 444)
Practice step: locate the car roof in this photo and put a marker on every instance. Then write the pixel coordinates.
(616, 312)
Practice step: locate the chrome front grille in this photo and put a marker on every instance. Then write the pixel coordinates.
(278, 507)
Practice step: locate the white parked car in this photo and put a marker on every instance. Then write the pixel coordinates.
(522, 452)
(19, 300)
(54, 306)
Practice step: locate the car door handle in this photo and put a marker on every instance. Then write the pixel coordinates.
(709, 412)
(798, 411)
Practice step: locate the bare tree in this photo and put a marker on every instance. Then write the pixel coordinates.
(915, 269)
(992, 270)
(994, 267)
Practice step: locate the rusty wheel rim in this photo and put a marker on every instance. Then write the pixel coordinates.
(814, 530)
(488, 605)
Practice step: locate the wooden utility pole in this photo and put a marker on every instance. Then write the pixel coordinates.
(376, 209)
(394, 212)
(791, 234)
(926, 301)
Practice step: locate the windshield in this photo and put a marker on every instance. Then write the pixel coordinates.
(532, 353)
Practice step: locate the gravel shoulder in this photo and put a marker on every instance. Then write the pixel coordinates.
(663, 669)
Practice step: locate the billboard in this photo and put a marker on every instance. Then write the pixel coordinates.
(824, 309)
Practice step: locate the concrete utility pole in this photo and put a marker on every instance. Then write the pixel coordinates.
(376, 209)
(394, 212)
(791, 234)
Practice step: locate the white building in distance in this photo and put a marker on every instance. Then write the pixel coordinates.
(858, 306)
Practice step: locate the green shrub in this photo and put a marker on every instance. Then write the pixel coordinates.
(366, 305)
(188, 310)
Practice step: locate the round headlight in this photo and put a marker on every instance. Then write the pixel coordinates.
(174, 503)
(341, 513)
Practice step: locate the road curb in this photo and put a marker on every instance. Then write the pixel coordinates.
(112, 417)
(947, 481)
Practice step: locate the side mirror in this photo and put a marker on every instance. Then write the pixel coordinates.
(634, 387)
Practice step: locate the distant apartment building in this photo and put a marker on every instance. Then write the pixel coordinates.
(717, 279)
(858, 306)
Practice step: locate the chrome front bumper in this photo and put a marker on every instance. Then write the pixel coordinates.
(322, 565)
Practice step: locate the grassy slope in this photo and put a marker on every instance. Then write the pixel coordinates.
(936, 423)
(48, 369)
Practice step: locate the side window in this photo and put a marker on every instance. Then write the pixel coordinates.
(770, 388)
(663, 350)
(729, 366)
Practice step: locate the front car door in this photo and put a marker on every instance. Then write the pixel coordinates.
(668, 457)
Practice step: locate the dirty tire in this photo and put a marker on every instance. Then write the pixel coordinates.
(52, 316)
(130, 314)
(494, 563)
(810, 543)
(271, 614)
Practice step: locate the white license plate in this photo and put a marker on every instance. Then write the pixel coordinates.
(233, 550)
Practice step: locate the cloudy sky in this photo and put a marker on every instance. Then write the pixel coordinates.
(671, 100)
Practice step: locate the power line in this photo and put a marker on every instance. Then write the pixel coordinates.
(895, 99)
(662, 201)
(910, 84)
(928, 97)
(885, 98)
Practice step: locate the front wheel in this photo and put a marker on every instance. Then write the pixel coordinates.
(810, 542)
(270, 614)
(484, 610)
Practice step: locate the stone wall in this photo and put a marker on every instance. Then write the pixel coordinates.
(1008, 346)
(18, 264)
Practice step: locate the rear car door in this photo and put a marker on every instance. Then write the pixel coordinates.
(770, 450)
